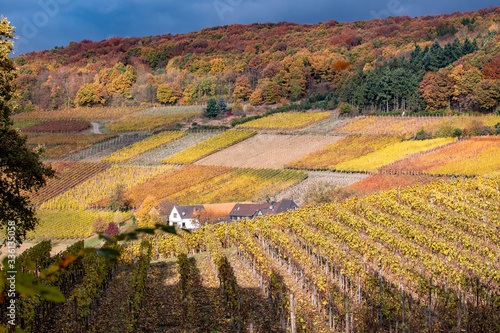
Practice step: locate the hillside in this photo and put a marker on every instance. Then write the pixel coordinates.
(428, 63)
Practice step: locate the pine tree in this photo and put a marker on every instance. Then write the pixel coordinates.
(212, 110)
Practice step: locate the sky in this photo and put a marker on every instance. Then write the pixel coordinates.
(44, 24)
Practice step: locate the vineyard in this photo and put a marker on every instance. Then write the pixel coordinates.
(94, 191)
(239, 185)
(386, 125)
(420, 259)
(67, 224)
(391, 153)
(147, 122)
(174, 109)
(476, 156)
(68, 175)
(268, 150)
(59, 144)
(59, 126)
(140, 147)
(23, 123)
(286, 121)
(209, 146)
(345, 149)
(409, 126)
(164, 186)
(155, 156)
(381, 182)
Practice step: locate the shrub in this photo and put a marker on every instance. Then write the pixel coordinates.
(457, 132)
(423, 135)
(112, 230)
(346, 108)
(99, 225)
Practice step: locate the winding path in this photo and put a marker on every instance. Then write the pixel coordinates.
(95, 128)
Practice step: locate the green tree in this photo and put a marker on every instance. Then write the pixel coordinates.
(21, 170)
(212, 110)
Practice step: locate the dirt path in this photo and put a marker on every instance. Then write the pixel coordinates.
(96, 128)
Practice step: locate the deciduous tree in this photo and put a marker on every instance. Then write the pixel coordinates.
(21, 170)
(242, 88)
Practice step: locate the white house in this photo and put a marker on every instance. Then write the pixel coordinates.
(184, 216)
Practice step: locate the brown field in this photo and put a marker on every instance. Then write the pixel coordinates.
(268, 151)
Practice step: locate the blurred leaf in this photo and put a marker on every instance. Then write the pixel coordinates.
(30, 265)
(24, 284)
(128, 236)
(67, 260)
(112, 253)
(167, 228)
(50, 270)
(51, 294)
(149, 231)
(103, 236)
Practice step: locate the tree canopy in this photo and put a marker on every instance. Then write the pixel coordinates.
(21, 170)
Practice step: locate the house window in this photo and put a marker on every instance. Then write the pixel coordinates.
(183, 224)
(175, 215)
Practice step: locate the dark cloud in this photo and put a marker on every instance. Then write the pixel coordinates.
(43, 24)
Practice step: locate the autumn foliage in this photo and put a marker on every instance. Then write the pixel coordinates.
(398, 63)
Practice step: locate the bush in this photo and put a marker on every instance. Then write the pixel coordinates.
(237, 107)
(99, 225)
(346, 108)
(457, 132)
(112, 230)
(422, 135)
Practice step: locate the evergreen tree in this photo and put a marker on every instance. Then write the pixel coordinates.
(212, 110)
(467, 47)
(221, 104)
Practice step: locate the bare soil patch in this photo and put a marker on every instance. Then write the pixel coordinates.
(268, 150)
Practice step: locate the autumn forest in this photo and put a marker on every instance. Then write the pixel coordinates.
(432, 64)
